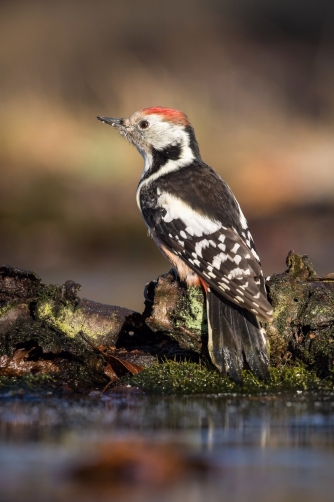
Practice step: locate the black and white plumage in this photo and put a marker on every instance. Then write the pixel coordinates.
(198, 225)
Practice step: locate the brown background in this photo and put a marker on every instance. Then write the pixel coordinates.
(255, 78)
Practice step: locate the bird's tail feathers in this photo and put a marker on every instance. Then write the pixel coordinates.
(235, 336)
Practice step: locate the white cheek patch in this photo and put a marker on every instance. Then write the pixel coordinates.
(195, 223)
(163, 133)
(148, 160)
(161, 136)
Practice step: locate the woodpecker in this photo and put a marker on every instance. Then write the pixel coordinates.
(197, 223)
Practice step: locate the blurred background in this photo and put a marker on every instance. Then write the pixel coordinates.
(255, 78)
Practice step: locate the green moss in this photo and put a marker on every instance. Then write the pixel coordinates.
(289, 299)
(99, 323)
(5, 308)
(68, 319)
(37, 333)
(302, 328)
(192, 315)
(48, 292)
(320, 307)
(299, 266)
(27, 383)
(187, 378)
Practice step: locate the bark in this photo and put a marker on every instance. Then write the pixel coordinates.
(303, 326)
(51, 330)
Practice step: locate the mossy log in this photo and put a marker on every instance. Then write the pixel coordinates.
(303, 326)
(51, 330)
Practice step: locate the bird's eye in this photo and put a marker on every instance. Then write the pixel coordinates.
(143, 124)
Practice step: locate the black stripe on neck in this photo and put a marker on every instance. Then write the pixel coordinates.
(171, 152)
(161, 157)
(193, 145)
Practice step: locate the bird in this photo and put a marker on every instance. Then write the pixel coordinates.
(198, 225)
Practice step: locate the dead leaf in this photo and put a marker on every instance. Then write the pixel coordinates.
(109, 372)
(121, 366)
(116, 365)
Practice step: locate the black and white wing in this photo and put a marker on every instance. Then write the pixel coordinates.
(225, 260)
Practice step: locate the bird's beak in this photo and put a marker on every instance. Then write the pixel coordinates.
(111, 121)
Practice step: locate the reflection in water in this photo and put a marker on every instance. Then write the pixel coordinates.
(254, 448)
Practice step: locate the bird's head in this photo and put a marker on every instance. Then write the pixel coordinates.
(158, 131)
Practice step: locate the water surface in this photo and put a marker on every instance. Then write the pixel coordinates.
(254, 448)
